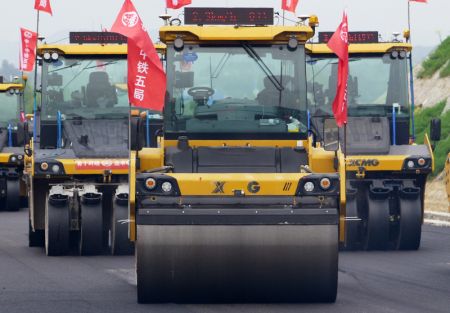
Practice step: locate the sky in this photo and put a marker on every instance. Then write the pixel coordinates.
(430, 22)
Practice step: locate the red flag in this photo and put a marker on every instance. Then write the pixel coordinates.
(28, 50)
(43, 5)
(176, 4)
(423, 1)
(22, 116)
(289, 5)
(146, 76)
(338, 43)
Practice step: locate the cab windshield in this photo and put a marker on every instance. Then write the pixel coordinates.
(236, 89)
(90, 88)
(375, 85)
(9, 104)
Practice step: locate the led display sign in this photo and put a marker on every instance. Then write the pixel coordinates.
(228, 16)
(353, 37)
(96, 37)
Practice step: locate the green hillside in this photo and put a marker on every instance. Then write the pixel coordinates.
(439, 60)
(422, 122)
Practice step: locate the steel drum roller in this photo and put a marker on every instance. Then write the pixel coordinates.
(237, 263)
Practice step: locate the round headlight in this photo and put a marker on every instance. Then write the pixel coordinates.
(410, 164)
(13, 159)
(166, 187)
(20, 157)
(421, 162)
(394, 54)
(309, 186)
(402, 54)
(55, 56)
(325, 183)
(178, 43)
(55, 168)
(292, 43)
(44, 166)
(47, 56)
(150, 183)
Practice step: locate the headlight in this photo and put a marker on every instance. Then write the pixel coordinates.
(13, 159)
(150, 183)
(20, 157)
(47, 56)
(421, 162)
(309, 186)
(55, 56)
(55, 168)
(325, 183)
(166, 187)
(410, 164)
(44, 166)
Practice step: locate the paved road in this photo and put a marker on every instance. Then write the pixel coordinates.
(368, 281)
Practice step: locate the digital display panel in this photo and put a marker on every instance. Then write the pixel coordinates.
(353, 37)
(228, 16)
(96, 37)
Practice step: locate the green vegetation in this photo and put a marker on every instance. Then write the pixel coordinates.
(438, 60)
(422, 120)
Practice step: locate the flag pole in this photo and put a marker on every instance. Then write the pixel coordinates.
(35, 79)
(411, 78)
(284, 12)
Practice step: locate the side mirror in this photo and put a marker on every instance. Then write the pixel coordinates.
(137, 133)
(330, 135)
(55, 80)
(435, 129)
(184, 80)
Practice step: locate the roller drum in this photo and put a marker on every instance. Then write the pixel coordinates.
(237, 263)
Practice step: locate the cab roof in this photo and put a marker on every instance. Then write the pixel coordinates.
(91, 49)
(383, 47)
(7, 86)
(235, 33)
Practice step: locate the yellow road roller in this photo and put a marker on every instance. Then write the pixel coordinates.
(13, 134)
(77, 160)
(386, 172)
(236, 204)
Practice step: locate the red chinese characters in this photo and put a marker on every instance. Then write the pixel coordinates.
(103, 164)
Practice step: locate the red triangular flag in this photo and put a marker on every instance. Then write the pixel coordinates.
(423, 1)
(43, 5)
(338, 43)
(289, 5)
(146, 76)
(176, 4)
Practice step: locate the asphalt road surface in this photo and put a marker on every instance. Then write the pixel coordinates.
(368, 281)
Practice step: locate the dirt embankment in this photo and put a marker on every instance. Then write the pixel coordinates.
(436, 195)
(432, 90)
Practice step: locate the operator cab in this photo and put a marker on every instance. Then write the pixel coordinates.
(372, 99)
(239, 89)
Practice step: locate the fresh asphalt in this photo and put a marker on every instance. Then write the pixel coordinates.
(417, 281)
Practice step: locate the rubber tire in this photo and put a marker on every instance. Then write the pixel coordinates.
(410, 225)
(91, 229)
(57, 229)
(13, 195)
(120, 243)
(35, 238)
(376, 232)
(352, 240)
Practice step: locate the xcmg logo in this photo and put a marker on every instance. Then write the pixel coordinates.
(363, 162)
